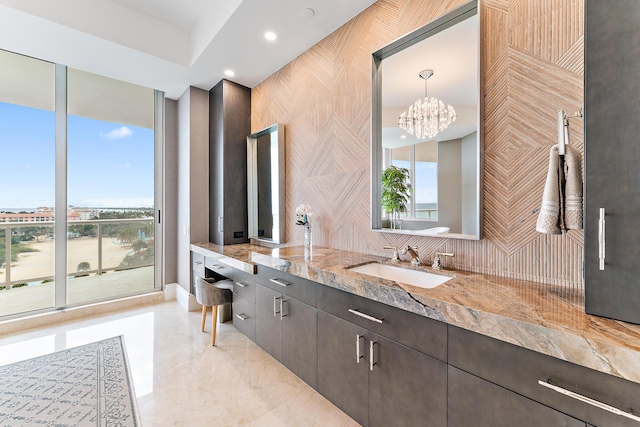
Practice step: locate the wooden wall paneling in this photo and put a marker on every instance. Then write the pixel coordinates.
(533, 66)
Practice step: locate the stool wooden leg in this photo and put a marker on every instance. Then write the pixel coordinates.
(214, 313)
(204, 316)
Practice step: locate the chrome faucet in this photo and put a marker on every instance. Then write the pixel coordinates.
(437, 264)
(395, 257)
(413, 251)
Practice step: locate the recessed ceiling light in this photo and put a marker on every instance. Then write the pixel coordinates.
(403, 136)
(229, 73)
(308, 12)
(270, 35)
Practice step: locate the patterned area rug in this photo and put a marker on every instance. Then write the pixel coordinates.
(83, 386)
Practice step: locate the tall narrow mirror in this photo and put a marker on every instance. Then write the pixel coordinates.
(426, 164)
(265, 178)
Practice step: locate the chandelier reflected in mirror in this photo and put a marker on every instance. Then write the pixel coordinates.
(428, 116)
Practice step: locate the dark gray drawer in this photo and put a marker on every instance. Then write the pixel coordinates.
(197, 261)
(244, 284)
(219, 270)
(519, 369)
(296, 287)
(425, 335)
(244, 316)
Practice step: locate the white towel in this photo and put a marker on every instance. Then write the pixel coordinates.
(561, 208)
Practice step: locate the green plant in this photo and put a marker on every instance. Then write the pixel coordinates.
(396, 190)
(84, 266)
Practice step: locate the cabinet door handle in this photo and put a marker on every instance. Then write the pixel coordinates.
(242, 285)
(242, 316)
(198, 262)
(371, 361)
(279, 282)
(275, 306)
(282, 315)
(601, 238)
(366, 316)
(589, 401)
(358, 355)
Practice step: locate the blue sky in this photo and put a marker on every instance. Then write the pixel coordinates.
(109, 164)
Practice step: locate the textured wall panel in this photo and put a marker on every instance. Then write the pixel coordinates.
(533, 66)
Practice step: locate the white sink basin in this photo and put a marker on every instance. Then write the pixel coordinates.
(421, 279)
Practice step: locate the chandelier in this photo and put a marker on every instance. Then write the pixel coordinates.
(428, 116)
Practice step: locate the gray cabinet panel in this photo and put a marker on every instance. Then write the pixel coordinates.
(244, 284)
(406, 388)
(218, 269)
(341, 380)
(418, 332)
(519, 369)
(244, 316)
(300, 340)
(229, 126)
(612, 154)
(479, 403)
(301, 289)
(268, 331)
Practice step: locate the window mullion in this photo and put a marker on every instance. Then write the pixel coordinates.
(60, 226)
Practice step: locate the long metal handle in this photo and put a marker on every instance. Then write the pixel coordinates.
(242, 285)
(198, 262)
(589, 401)
(282, 315)
(371, 362)
(275, 307)
(242, 316)
(279, 282)
(358, 355)
(601, 238)
(366, 316)
(217, 267)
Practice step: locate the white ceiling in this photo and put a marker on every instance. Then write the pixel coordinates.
(171, 44)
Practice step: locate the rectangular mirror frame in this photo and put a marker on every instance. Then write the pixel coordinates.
(445, 21)
(252, 183)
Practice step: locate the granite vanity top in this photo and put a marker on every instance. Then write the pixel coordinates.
(544, 318)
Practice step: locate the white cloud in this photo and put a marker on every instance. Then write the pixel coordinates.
(118, 133)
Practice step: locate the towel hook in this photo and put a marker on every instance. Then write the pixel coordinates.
(563, 128)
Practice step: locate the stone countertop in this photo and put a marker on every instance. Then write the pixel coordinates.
(544, 318)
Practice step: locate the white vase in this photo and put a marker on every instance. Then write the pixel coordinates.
(308, 235)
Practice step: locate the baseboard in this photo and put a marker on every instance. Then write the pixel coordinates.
(170, 291)
(186, 299)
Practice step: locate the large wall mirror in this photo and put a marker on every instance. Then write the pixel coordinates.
(426, 122)
(265, 181)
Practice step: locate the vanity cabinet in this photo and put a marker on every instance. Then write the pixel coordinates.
(516, 370)
(374, 379)
(229, 125)
(286, 321)
(612, 153)
(244, 303)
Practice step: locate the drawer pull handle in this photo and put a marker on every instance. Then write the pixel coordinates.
(366, 316)
(198, 262)
(242, 316)
(242, 285)
(358, 355)
(279, 282)
(589, 401)
(217, 267)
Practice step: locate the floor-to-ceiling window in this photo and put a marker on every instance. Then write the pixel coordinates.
(27, 183)
(81, 168)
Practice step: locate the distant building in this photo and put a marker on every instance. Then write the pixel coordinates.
(35, 217)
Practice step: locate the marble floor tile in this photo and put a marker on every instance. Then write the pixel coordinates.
(180, 379)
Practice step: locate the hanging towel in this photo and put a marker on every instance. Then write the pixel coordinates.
(561, 208)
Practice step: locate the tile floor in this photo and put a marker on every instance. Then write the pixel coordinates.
(181, 380)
